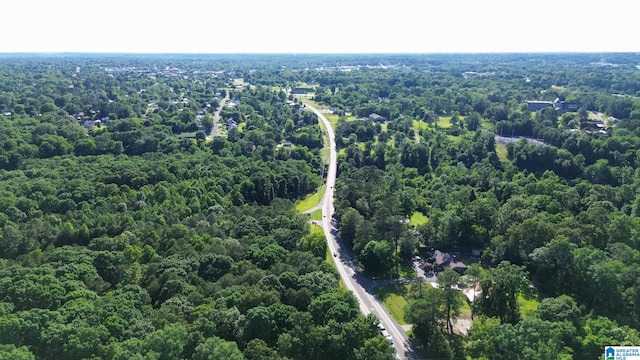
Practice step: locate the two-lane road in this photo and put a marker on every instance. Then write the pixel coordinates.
(216, 117)
(352, 279)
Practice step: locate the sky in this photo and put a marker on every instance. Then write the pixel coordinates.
(320, 26)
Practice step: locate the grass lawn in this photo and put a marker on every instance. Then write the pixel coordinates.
(333, 119)
(419, 124)
(418, 218)
(445, 121)
(324, 155)
(393, 298)
(528, 304)
(317, 229)
(454, 139)
(316, 215)
(501, 151)
(311, 200)
(465, 309)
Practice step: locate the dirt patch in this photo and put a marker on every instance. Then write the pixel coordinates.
(462, 325)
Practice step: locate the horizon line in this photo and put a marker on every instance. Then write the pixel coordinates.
(315, 53)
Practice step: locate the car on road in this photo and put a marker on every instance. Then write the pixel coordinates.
(390, 339)
(335, 255)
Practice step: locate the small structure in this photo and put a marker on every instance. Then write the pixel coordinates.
(301, 91)
(231, 124)
(377, 118)
(535, 105)
(187, 136)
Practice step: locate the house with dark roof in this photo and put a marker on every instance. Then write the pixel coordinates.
(301, 91)
(535, 105)
(377, 118)
(441, 261)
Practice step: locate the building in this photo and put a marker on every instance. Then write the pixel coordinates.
(560, 106)
(441, 261)
(535, 105)
(377, 118)
(301, 91)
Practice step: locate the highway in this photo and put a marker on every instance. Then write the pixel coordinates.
(361, 287)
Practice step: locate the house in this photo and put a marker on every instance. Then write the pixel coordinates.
(377, 118)
(535, 105)
(442, 261)
(231, 124)
(427, 266)
(560, 106)
(187, 136)
(301, 91)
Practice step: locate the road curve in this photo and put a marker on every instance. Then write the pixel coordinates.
(353, 280)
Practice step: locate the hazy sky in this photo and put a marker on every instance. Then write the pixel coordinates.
(320, 26)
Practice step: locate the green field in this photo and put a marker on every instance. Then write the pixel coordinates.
(418, 218)
(501, 151)
(419, 124)
(310, 201)
(528, 305)
(443, 122)
(393, 298)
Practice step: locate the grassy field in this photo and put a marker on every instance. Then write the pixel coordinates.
(454, 139)
(501, 151)
(311, 200)
(316, 215)
(333, 119)
(443, 122)
(418, 218)
(393, 298)
(419, 124)
(465, 309)
(528, 304)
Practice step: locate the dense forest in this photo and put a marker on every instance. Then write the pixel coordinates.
(128, 232)
(123, 239)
